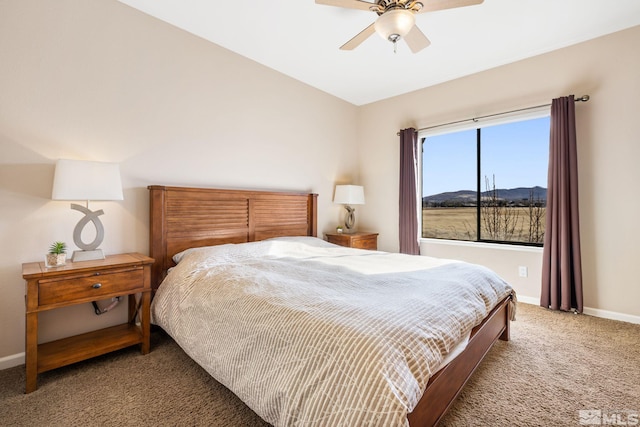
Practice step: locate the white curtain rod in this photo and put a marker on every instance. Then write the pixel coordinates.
(583, 98)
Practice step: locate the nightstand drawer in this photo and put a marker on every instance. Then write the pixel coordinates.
(358, 240)
(89, 286)
(369, 242)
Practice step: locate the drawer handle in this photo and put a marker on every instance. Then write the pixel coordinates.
(96, 285)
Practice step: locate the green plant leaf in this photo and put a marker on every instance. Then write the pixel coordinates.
(58, 248)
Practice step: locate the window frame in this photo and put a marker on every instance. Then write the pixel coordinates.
(462, 125)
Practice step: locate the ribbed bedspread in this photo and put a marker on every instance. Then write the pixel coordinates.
(307, 333)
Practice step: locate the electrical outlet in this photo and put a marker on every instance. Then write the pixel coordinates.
(522, 271)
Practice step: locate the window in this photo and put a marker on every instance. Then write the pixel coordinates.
(487, 182)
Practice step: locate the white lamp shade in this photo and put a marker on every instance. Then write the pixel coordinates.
(349, 195)
(86, 180)
(396, 22)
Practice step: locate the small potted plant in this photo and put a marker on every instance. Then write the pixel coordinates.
(57, 255)
(339, 229)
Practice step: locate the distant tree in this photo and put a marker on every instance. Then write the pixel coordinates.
(499, 222)
(536, 210)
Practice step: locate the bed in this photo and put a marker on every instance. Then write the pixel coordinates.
(237, 234)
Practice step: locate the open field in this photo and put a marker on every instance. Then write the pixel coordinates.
(460, 224)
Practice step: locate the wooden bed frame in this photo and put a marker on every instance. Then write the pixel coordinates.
(182, 217)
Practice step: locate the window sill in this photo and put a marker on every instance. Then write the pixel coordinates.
(501, 246)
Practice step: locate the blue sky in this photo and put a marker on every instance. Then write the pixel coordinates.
(516, 153)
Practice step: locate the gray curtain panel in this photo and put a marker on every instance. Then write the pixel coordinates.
(408, 199)
(561, 262)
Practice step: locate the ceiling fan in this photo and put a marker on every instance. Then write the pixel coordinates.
(396, 19)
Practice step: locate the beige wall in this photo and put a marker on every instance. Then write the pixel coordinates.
(97, 80)
(608, 132)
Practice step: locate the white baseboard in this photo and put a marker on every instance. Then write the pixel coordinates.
(11, 361)
(595, 312)
(528, 300)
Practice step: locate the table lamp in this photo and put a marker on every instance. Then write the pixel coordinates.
(87, 180)
(349, 195)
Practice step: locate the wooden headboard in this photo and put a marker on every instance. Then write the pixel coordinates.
(183, 217)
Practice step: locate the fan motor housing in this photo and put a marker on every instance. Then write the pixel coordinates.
(384, 6)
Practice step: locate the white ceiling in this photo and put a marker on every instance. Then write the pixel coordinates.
(301, 39)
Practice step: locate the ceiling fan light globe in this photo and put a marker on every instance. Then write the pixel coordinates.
(395, 24)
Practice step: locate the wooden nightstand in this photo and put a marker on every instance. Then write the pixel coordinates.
(360, 240)
(82, 282)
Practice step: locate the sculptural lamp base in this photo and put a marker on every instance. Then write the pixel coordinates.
(89, 251)
(350, 220)
(87, 255)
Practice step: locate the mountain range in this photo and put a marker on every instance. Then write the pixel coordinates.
(510, 195)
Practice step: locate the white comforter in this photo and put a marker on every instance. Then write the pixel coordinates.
(307, 333)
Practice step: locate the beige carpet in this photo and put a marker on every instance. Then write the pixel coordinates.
(555, 365)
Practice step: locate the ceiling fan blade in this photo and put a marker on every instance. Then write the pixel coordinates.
(416, 39)
(434, 5)
(359, 38)
(349, 4)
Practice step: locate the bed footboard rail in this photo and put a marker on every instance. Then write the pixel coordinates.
(446, 384)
